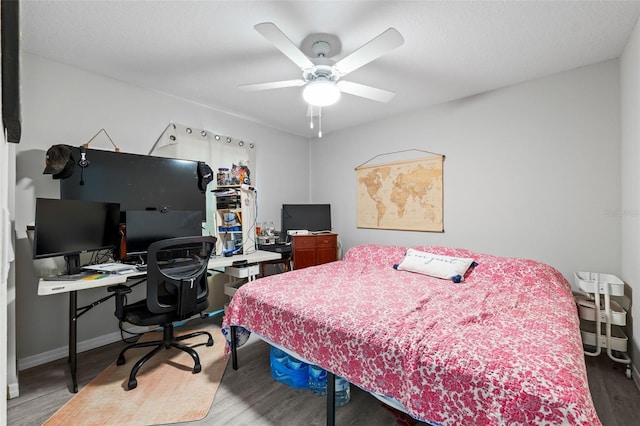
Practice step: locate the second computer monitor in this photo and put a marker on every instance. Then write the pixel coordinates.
(70, 227)
(310, 217)
(144, 227)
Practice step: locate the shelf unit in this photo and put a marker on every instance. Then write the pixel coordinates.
(235, 218)
(601, 318)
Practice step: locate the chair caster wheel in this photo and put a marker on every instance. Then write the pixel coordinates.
(197, 368)
(120, 360)
(210, 341)
(133, 383)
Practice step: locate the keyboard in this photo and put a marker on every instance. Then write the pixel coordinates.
(278, 247)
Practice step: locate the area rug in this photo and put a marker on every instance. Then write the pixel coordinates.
(167, 392)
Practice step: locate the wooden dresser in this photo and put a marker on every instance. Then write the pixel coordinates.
(314, 249)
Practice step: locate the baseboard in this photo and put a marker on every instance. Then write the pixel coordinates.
(63, 352)
(13, 391)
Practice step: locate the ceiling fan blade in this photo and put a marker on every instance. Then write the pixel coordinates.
(272, 85)
(282, 42)
(363, 91)
(385, 42)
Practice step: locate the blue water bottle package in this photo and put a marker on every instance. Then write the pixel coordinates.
(288, 370)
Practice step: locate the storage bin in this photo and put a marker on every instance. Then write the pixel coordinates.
(242, 271)
(288, 370)
(231, 288)
(601, 315)
(618, 341)
(589, 282)
(587, 311)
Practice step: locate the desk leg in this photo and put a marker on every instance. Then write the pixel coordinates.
(73, 329)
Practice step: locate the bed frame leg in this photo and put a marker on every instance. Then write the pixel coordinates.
(234, 350)
(331, 399)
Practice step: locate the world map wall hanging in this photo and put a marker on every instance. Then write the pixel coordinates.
(403, 195)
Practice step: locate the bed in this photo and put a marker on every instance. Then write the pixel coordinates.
(501, 347)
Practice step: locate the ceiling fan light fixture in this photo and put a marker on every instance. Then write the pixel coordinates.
(321, 93)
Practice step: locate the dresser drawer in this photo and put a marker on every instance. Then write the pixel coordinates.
(304, 241)
(327, 240)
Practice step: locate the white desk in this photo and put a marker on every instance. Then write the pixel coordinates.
(98, 280)
(258, 256)
(104, 280)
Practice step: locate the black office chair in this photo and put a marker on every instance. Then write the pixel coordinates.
(176, 290)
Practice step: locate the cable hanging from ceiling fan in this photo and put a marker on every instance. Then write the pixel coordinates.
(310, 112)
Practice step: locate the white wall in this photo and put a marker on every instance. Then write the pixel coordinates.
(4, 265)
(531, 170)
(62, 104)
(630, 134)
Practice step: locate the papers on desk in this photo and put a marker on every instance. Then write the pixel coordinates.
(84, 275)
(110, 268)
(96, 276)
(90, 280)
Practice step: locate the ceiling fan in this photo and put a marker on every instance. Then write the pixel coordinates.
(321, 76)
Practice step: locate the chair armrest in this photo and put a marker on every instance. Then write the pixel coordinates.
(120, 291)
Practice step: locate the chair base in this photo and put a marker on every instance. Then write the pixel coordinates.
(168, 341)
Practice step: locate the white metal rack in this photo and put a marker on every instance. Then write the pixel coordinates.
(235, 218)
(596, 309)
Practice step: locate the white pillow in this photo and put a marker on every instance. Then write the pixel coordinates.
(445, 267)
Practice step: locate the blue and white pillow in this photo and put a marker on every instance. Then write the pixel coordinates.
(435, 265)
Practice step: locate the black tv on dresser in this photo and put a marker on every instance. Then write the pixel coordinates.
(310, 217)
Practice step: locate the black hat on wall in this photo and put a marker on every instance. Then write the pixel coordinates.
(59, 161)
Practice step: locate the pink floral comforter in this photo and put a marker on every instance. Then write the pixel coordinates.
(501, 348)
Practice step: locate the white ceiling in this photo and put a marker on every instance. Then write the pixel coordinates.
(202, 50)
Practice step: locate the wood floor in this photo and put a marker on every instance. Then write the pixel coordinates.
(249, 395)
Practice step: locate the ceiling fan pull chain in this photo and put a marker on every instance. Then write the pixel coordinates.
(319, 122)
(310, 116)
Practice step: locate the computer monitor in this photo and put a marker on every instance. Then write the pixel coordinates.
(70, 227)
(137, 182)
(144, 227)
(311, 217)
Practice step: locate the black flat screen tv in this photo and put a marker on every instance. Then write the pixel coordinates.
(136, 182)
(145, 227)
(70, 227)
(310, 217)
